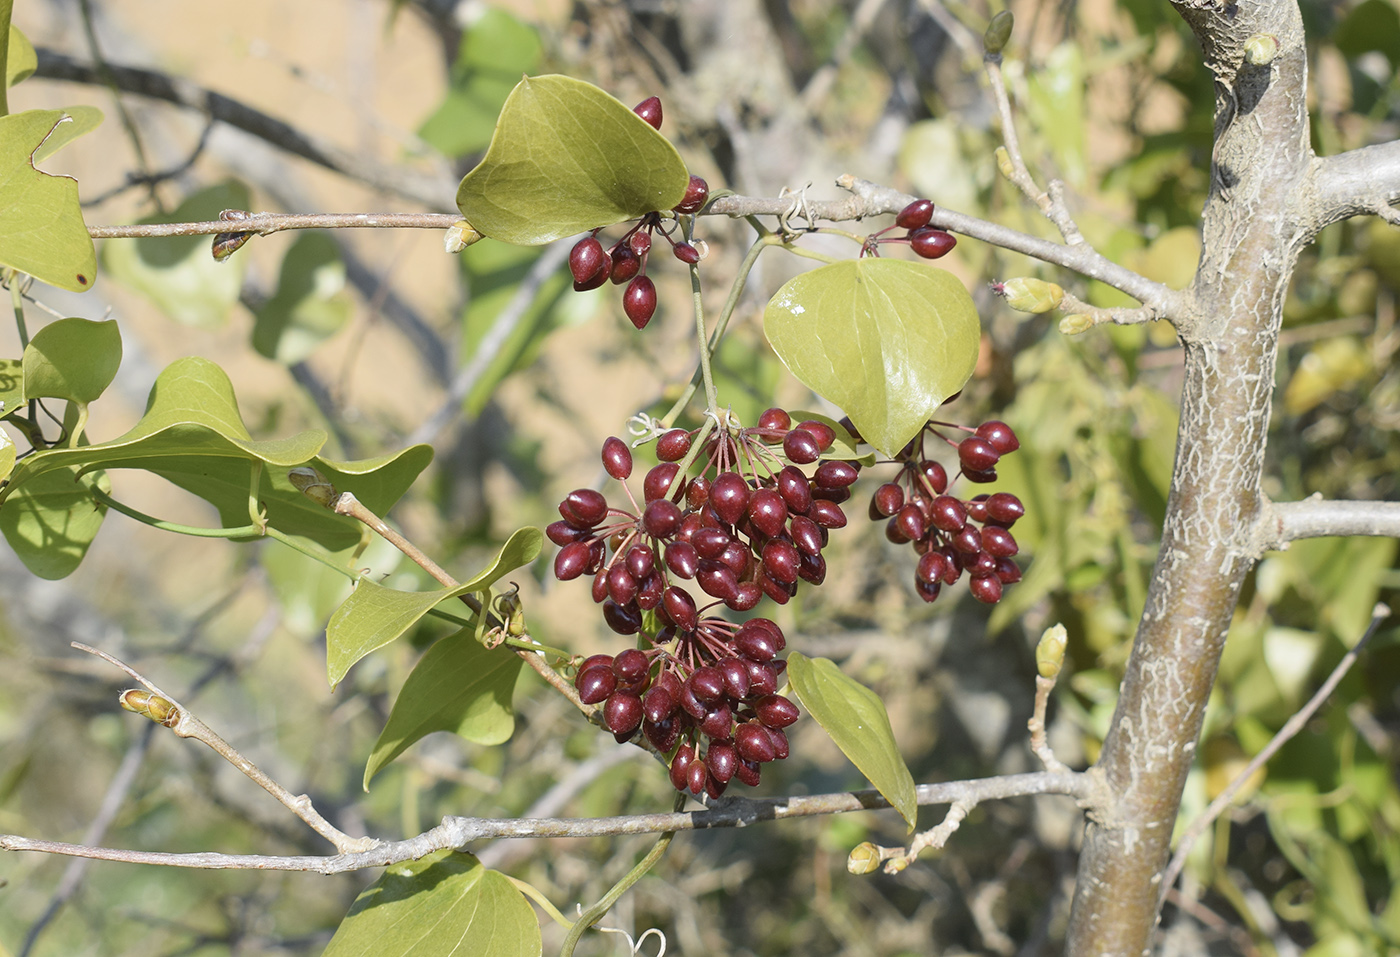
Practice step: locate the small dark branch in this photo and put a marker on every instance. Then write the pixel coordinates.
(266, 223)
(1360, 182)
(457, 832)
(154, 179)
(428, 190)
(1316, 517)
(870, 199)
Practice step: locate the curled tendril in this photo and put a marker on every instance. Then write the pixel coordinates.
(635, 947)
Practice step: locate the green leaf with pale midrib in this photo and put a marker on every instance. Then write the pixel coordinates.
(374, 615)
(884, 339)
(567, 157)
(444, 905)
(856, 719)
(459, 686)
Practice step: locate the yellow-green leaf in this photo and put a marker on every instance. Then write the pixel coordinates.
(310, 305)
(856, 719)
(78, 120)
(374, 615)
(12, 397)
(72, 359)
(461, 686)
(7, 455)
(51, 521)
(567, 157)
(41, 224)
(887, 340)
(20, 59)
(445, 905)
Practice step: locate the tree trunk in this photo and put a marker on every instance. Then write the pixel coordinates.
(1251, 239)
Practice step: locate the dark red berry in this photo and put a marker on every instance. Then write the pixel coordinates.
(827, 514)
(781, 560)
(823, 433)
(662, 734)
(911, 522)
(801, 446)
(584, 507)
(730, 497)
(650, 110)
(776, 711)
(914, 216)
(630, 665)
(935, 475)
(640, 242)
(622, 712)
(977, 454)
(673, 445)
(595, 683)
(680, 767)
(639, 301)
(617, 458)
(928, 591)
(640, 561)
(748, 773)
(967, 540)
(682, 559)
(947, 514)
(717, 579)
(649, 594)
(762, 678)
(718, 722)
(657, 704)
(710, 542)
(981, 478)
(622, 586)
(679, 607)
(697, 776)
(1008, 571)
(781, 749)
(571, 561)
(933, 565)
(977, 508)
(985, 588)
(834, 474)
(658, 480)
(736, 677)
(768, 512)
(795, 489)
(775, 419)
(625, 264)
(888, 499)
(746, 596)
(589, 264)
(806, 535)
(686, 253)
(661, 518)
(1005, 508)
(1001, 436)
(999, 542)
(696, 192)
(753, 744)
(623, 619)
(562, 533)
(931, 243)
(722, 761)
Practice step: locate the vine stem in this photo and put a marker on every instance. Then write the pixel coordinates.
(185, 724)
(263, 224)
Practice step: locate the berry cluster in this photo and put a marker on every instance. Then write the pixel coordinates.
(925, 240)
(626, 261)
(944, 528)
(713, 685)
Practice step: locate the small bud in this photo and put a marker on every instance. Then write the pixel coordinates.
(1004, 162)
(1260, 49)
(226, 244)
(1030, 295)
(1073, 325)
(158, 709)
(459, 236)
(998, 32)
(1050, 651)
(864, 859)
(313, 485)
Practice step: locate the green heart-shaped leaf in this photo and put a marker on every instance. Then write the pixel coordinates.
(73, 359)
(459, 686)
(51, 521)
(374, 615)
(856, 719)
(567, 157)
(41, 224)
(885, 339)
(79, 120)
(179, 273)
(445, 904)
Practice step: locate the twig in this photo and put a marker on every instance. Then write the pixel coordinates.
(432, 191)
(897, 859)
(490, 346)
(153, 179)
(128, 123)
(347, 504)
(164, 709)
(264, 224)
(458, 832)
(1316, 517)
(1051, 203)
(1081, 317)
(1040, 746)
(1290, 728)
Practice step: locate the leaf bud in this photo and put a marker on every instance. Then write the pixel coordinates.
(1260, 49)
(1073, 325)
(864, 858)
(1004, 162)
(459, 236)
(1029, 295)
(159, 709)
(1050, 651)
(226, 244)
(313, 485)
(998, 32)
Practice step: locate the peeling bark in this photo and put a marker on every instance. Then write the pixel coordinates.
(1251, 237)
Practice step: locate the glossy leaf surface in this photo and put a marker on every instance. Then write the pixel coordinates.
(461, 686)
(884, 339)
(567, 157)
(856, 719)
(445, 905)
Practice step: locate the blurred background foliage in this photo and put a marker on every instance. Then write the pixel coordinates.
(365, 335)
